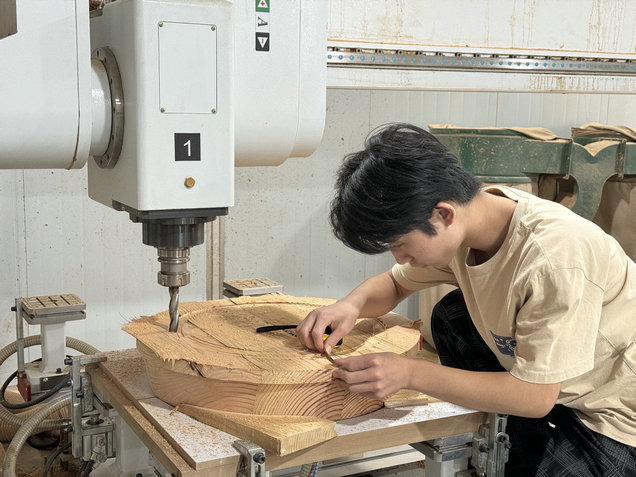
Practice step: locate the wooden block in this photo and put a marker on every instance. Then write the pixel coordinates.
(280, 435)
(407, 397)
(216, 360)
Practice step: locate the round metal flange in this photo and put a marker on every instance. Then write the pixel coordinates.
(106, 56)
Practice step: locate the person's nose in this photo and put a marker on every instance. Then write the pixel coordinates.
(402, 258)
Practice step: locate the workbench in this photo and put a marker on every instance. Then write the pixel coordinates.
(186, 447)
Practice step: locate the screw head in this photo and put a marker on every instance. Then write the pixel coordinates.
(189, 182)
(259, 458)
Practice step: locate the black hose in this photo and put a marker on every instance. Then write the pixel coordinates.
(55, 455)
(87, 468)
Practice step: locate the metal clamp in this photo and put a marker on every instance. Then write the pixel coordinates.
(92, 427)
(491, 447)
(446, 456)
(252, 462)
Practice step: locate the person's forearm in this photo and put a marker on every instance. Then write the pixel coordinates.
(484, 391)
(376, 296)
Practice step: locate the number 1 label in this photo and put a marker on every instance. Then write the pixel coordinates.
(187, 146)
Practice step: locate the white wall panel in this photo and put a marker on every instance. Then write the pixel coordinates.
(575, 25)
(12, 269)
(555, 111)
(279, 225)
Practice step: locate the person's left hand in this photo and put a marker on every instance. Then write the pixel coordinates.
(374, 375)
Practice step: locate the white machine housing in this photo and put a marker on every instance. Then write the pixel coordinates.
(45, 87)
(171, 58)
(200, 68)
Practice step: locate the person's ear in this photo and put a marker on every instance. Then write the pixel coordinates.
(445, 212)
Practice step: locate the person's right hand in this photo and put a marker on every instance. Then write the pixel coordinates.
(340, 316)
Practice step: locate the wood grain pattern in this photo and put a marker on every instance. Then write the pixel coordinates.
(216, 359)
(407, 397)
(278, 434)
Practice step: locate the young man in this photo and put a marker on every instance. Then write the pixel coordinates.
(542, 326)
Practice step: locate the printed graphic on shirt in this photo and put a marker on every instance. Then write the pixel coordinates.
(505, 344)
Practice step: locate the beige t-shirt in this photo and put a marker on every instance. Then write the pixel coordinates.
(556, 303)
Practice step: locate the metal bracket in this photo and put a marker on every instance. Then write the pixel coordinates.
(446, 456)
(92, 427)
(50, 312)
(490, 447)
(487, 451)
(252, 463)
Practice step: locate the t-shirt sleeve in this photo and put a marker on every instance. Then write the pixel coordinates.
(414, 278)
(556, 327)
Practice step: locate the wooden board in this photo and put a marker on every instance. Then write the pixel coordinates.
(407, 397)
(216, 359)
(280, 435)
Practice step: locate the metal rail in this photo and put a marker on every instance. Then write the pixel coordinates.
(478, 61)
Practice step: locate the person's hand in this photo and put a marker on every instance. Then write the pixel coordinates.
(374, 375)
(340, 316)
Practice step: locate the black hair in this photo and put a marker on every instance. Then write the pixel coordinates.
(392, 187)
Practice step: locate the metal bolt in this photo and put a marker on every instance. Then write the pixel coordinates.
(189, 182)
(213, 110)
(160, 24)
(259, 458)
(213, 27)
(484, 448)
(58, 371)
(163, 110)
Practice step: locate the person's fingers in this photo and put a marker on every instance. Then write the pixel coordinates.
(354, 377)
(317, 333)
(303, 330)
(332, 340)
(368, 389)
(355, 363)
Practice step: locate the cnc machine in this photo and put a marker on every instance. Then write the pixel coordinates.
(162, 99)
(165, 98)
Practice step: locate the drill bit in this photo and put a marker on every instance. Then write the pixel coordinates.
(173, 308)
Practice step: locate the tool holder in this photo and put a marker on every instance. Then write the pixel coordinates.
(50, 312)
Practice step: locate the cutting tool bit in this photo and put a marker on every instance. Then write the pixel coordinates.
(173, 308)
